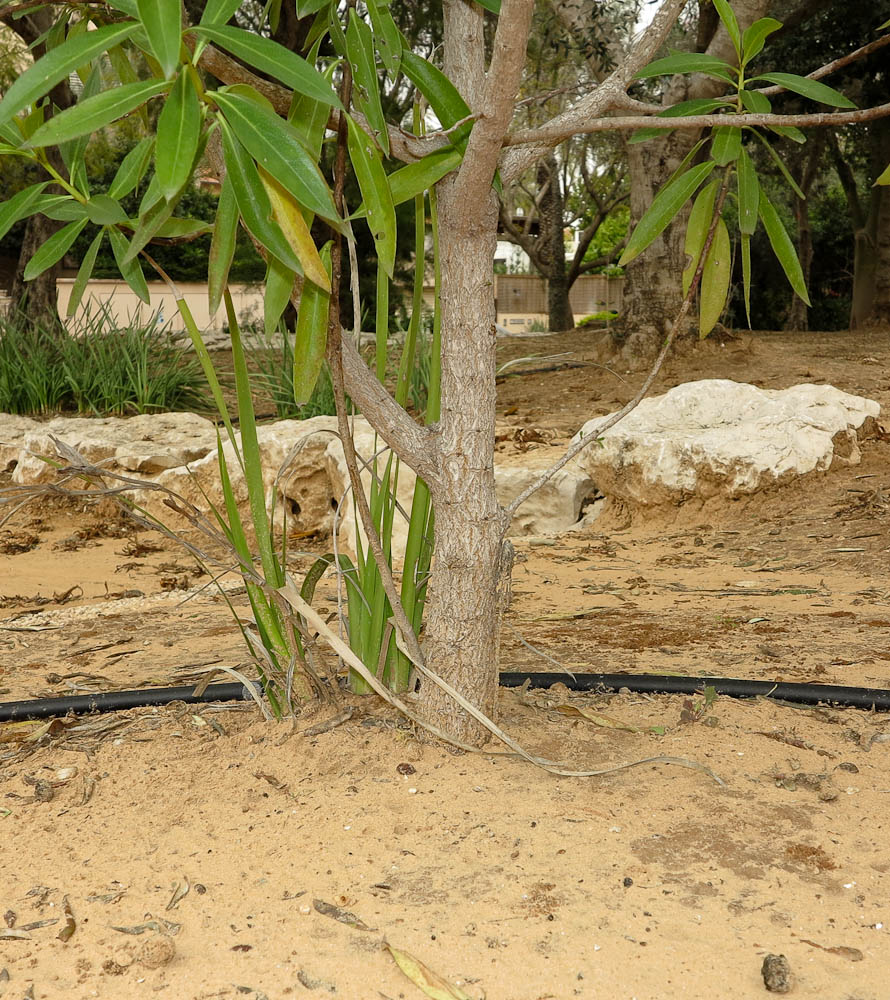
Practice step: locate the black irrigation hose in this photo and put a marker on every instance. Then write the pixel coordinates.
(803, 694)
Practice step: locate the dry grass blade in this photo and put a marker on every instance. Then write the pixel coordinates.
(597, 718)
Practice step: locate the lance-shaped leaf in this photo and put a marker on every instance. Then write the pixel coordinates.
(414, 178)
(219, 11)
(789, 132)
(812, 89)
(366, 95)
(746, 274)
(253, 202)
(381, 215)
(312, 334)
(884, 177)
(54, 249)
(162, 21)
(289, 216)
(178, 135)
(270, 57)
(94, 113)
(429, 982)
(276, 146)
(307, 7)
(222, 244)
(178, 228)
(278, 289)
(19, 206)
(714, 280)
(727, 16)
(132, 168)
(103, 210)
(749, 193)
(755, 35)
(697, 230)
(783, 247)
(387, 37)
(58, 64)
(726, 144)
(131, 271)
(695, 106)
(755, 102)
(84, 273)
(149, 226)
(689, 62)
(440, 92)
(792, 183)
(60, 207)
(665, 206)
(492, 6)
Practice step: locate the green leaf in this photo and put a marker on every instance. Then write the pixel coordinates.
(19, 206)
(162, 21)
(812, 89)
(381, 215)
(120, 63)
(366, 93)
(665, 206)
(149, 225)
(792, 183)
(695, 106)
(270, 57)
(253, 202)
(756, 102)
(726, 144)
(276, 295)
(312, 334)
(645, 134)
(746, 275)
(218, 11)
(689, 62)
(413, 179)
(277, 146)
(727, 16)
(783, 247)
(714, 281)
(132, 168)
(443, 97)
(884, 177)
(58, 64)
(178, 135)
(103, 210)
(387, 37)
(308, 116)
(789, 132)
(130, 270)
(222, 244)
(697, 230)
(94, 113)
(60, 207)
(754, 37)
(54, 249)
(177, 228)
(307, 7)
(492, 6)
(749, 193)
(83, 274)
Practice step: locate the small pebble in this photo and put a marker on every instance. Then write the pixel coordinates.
(157, 951)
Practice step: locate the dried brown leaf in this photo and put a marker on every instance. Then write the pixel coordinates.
(431, 983)
(597, 718)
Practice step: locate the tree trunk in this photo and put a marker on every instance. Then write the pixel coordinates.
(653, 291)
(879, 312)
(552, 254)
(798, 312)
(37, 299)
(463, 615)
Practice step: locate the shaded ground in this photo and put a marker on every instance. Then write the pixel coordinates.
(653, 882)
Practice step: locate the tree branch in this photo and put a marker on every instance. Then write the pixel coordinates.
(556, 132)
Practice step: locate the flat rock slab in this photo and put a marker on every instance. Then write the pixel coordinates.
(146, 444)
(716, 437)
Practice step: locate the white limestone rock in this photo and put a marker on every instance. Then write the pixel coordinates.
(716, 437)
(13, 430)
(146, 444)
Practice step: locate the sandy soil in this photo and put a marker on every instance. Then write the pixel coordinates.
(201, 852)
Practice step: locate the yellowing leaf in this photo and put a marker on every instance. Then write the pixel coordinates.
(884, 178)
(606, 721)
(432, 984)
(289, 216)
(714, 280)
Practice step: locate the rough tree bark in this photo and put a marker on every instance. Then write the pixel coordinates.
(552, 252)
(652, 287)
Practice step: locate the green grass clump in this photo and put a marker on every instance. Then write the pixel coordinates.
(597, 319)
(95, 368)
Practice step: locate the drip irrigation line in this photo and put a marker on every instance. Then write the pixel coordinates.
(802, 694)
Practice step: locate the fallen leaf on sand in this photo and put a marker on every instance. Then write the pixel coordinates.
(425, 979)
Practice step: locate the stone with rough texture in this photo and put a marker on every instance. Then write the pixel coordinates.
(292, 454)
(716, 437)
(12, 435)
(146, 444)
